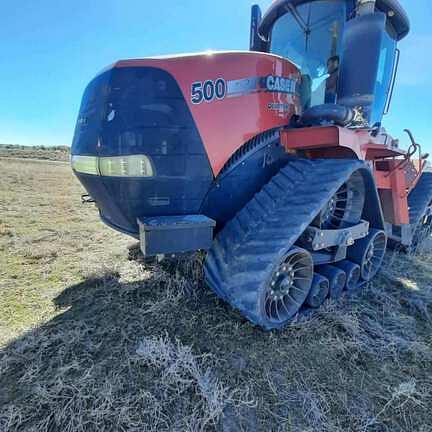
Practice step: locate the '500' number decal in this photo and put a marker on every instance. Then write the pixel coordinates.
(208, 91)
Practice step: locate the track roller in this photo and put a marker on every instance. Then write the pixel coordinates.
(336, 277)
(346, 206)
(319, 291)
(353, 274)
(289, 286)
(369, 253)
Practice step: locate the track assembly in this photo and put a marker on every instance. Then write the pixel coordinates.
(420, 213)
(240, 265)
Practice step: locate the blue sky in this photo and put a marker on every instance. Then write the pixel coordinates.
(50, 50)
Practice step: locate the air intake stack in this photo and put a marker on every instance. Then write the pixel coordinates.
(368, 63)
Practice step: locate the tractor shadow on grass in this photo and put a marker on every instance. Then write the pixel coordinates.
(82, 370)
(82, 367)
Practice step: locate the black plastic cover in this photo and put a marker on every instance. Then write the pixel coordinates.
(175, 234)
(142, 111)
(327, 113)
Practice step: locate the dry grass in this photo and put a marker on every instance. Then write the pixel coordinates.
(52, 153)
(93, 339)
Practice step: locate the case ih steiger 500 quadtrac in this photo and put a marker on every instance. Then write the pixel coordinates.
(272, 160)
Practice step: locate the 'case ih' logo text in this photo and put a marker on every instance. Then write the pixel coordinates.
(280, 84)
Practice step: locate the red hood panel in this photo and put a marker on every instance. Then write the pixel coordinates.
(233, 96)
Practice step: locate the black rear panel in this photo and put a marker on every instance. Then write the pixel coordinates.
(135, 111)
(91, 114)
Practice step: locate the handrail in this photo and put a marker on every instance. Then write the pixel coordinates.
(395, 69)
(412, 150)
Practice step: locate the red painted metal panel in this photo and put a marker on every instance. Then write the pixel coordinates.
(400, 197)
(227, 124)
(334, 140)
(390, 176)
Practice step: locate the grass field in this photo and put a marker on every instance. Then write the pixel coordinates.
(54, 153)
(92, 339)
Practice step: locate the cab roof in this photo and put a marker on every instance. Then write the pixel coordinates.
(392, 8)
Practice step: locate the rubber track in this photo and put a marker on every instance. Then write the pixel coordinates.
(419, 199)
(245, 252)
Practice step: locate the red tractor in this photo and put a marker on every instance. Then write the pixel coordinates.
(272, 160)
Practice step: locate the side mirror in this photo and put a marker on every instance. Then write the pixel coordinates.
(256, 43)
(360, 62)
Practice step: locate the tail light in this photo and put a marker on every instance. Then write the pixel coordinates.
(115, 166)
(126, 166)
(85, 164)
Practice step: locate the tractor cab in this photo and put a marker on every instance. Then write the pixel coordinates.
(346, 50)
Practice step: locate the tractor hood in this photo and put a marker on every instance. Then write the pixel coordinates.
(152, 134)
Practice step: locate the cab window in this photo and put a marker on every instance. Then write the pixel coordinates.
(310, 36)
